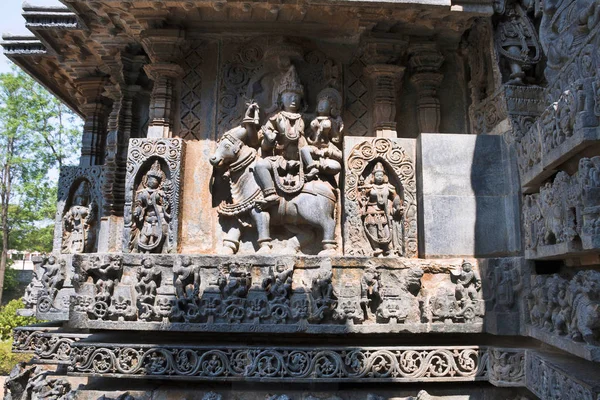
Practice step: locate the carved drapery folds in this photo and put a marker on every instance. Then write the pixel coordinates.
(563, 218)
(152, 195)
(425, 63)
(163, 46)
(374, 225)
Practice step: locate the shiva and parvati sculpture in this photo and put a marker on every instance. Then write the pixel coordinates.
(285, 172)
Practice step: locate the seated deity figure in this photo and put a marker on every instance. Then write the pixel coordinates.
(151, 212)
(382, 220)
(78, 221)
(282, 138)
(325, 136)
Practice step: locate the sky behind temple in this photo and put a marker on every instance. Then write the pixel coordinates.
(11, 21)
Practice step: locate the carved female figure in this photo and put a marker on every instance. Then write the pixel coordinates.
(325, 136)
(151, 213)
(382, 211)
(78, 222)
(282, 138)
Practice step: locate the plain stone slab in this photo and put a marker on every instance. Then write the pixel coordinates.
(467, 202)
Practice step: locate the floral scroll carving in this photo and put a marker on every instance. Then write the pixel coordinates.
(400, 214)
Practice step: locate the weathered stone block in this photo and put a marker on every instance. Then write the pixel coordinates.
(465, 196)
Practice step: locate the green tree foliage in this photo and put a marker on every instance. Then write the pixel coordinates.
(10, 320)
(38, 135)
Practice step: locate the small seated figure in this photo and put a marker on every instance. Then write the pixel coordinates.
(325, 136)
(468, 283)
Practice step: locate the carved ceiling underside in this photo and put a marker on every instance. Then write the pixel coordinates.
(87, 38)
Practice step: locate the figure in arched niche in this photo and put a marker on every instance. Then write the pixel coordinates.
(282, 140)
(382, 211)
(79, 221)
(151, 213)
(325, 135)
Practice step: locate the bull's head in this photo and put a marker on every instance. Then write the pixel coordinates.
(228, 150)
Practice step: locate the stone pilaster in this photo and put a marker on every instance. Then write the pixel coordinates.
(425, 63)
(95, 110)
(383, 55)
(164, 49)
(386, 81)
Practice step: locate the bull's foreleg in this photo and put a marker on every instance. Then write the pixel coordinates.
(329, 242)
(231, 242)
(261, 221)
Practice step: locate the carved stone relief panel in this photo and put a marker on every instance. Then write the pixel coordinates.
(279, 175)
(48, 294)
(506, 367)
(152, 195)
(78, 209)
(260, 294)
(550, 376)
(562, 219)
(380, 205)
(563, 311)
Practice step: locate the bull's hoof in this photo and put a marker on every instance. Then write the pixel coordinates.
(327, 253)
(264, 249)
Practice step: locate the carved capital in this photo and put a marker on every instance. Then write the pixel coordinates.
(386, 79)
(384, 49)
(160, 70)
(425, 62)
(163, 45)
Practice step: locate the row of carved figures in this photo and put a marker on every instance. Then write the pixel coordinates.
(189, 293)
(567, 307)
(566, 208)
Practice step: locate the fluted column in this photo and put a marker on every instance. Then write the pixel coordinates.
(163, 46)
(425, 63)
(95, 109)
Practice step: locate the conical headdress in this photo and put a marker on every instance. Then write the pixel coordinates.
(379, 168)
(156, 171)
(291, 83)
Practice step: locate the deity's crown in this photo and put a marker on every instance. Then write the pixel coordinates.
(291, 82)
(156, 171)
(379, 168)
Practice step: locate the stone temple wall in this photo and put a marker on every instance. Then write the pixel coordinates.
(319, 200)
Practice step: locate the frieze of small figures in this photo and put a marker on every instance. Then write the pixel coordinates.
(191, 291)
(548, 381)
(564, 216)
(567, 307)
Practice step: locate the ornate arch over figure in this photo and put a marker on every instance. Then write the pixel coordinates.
(363, 159)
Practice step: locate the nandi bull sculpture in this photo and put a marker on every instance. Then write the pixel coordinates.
(313, 206)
